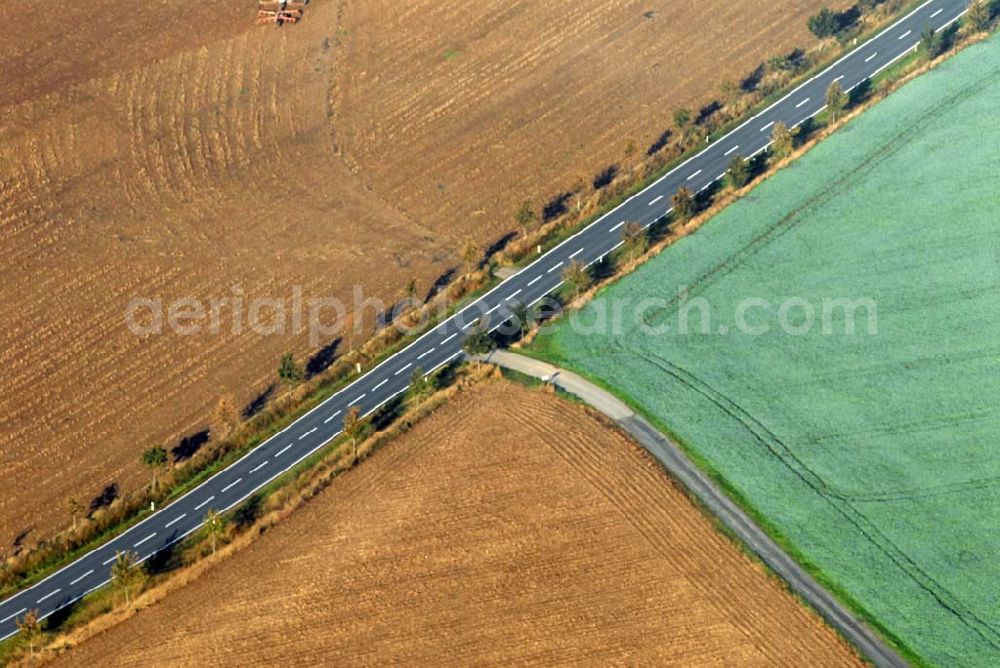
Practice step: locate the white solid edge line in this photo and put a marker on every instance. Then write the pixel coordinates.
(432, 330)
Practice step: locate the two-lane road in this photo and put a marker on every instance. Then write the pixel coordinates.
(444, 343)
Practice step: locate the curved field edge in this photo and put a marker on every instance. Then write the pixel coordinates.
(953, 87)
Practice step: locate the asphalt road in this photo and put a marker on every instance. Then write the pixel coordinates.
(443, 344)
(697, 482)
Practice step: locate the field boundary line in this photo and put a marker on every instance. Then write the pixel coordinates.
(727, 511)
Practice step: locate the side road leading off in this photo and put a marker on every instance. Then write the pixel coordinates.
(715, 501)
(443, 344)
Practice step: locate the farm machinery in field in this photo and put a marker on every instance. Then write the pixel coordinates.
(279, 12)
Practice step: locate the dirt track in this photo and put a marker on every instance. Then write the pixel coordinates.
(174, 151)
(509, 527)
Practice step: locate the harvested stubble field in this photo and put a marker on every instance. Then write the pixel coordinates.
(874, 454)
(169, 150)
(509, 526)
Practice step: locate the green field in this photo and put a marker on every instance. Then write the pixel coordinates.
(874, 456)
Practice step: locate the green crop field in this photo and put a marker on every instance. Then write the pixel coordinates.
(874, 456)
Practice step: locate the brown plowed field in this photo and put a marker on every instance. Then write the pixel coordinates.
(510, 527)
(168, 149)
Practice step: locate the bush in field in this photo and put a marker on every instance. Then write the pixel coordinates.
(825, 23)
(288, 369)
(155, 459)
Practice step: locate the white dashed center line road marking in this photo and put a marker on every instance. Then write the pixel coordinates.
(409, 364)
(311, 431)
(49, 595)
(733, 150)
(447, 340)
(694, 175)
(259, 466)
(838, 78)
(204, 503)
(871, 57)
(330, 419)
(145, 539)
(554, 268)
(283, 451)
(231, 485)
(767, 126)
(934, 15)
(617, 226)
(656, 200)
(90, 572)
(534, 280)
(518, 291)
(802, 103)
(428, 352)
(906, 34)
(175, 520)
(375, 389)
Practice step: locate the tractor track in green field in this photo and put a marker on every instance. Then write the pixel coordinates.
(842, 504)
(795, 217)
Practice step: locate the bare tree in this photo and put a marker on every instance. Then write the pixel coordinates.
(738, 173)
(979, 15)
(215, 526)
(75, 508)
(127, 575)
(353, 426)
(782, 140)
(836, 100)
(577, 277)
(30, 628)
(472, 255)
(635, 238)
(683, 204)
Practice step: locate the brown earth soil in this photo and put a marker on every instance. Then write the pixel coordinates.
(169, 149)
(509, 527)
